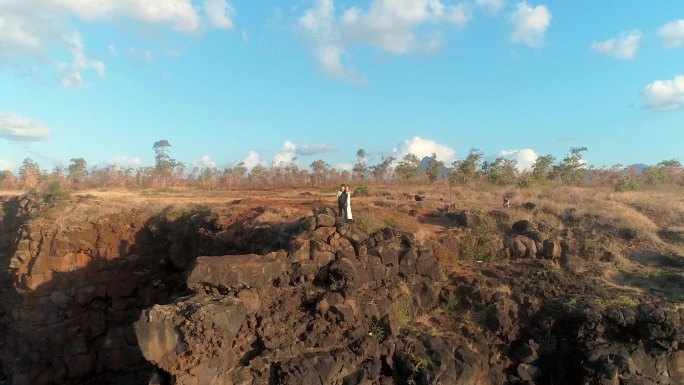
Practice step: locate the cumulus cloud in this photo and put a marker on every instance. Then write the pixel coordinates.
(252, 160)
(623, 47)
(286, 155)
(398, 27)
(672, 33)
(32, 31)
(344, 167)
(665, 95)
(22, 129)
(204, 162)
(425, 147)
(530, 24)
(125, 161)
(219, 13)
(314, 149)
(6, 165)
(492, 6)
(525, 158)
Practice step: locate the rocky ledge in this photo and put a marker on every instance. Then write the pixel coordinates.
(339, 307)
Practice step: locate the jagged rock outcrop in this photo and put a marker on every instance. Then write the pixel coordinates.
(316, 310)
(72, 288)
(349, 309)
(125, 299)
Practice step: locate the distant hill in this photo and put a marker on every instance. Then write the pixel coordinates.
(639, 167)
(425, 162)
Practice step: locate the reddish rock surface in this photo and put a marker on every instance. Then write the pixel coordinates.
(124, 299)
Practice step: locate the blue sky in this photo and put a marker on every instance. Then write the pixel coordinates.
(264, 81)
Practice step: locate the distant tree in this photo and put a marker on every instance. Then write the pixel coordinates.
(292, 172)
(257, 176)
(409, 167)
(541, 168)
(319, 171)
(434, 168)
(381, 170)
(672, 163)
(163, 163)
(503, 171)
(334, 175)
(209, 177)
(572, 169)
(361, 167)
(303, 177)
(235, 175)
(7, 179)
(663, 173)
(29, 174)
(345, 176)
(464, 170)
(78, 170)
(144, 176)
(58, 176)
(178, 173)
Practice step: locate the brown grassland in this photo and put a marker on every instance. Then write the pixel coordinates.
(592, 219)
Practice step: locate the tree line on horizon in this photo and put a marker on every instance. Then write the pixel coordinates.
(167, 172)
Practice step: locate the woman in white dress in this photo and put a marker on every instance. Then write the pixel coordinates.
(348, 211)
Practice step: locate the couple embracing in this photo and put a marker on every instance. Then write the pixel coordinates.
(344, 203)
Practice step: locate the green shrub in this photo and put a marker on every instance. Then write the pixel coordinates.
(362, 191)
(627, 183)
(591, 248)
(526, 182)
(54, 191)
(450, 303)
(485, 242)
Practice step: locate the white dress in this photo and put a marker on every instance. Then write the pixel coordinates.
(348, 208)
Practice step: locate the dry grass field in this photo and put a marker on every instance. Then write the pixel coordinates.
(640, 233)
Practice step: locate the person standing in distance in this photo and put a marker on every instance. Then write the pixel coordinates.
(341, 200)
(347, 206)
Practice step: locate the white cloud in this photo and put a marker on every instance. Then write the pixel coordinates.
(204, 162)
(287, 154)
(398, 27)
(124, 161)
(530, 24)
(492, 6)
(665, 95)
(252, 160)
(425, 147)
(141, 56)
(71, 74)
(112, 49)
(344, 167)
(525, 158)
(219, 13)
(314, 149)
(672, 33)
(179, 14)
(22, 129)
(33, 32)
(623, 47)
(245, 36)
(6, 165)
